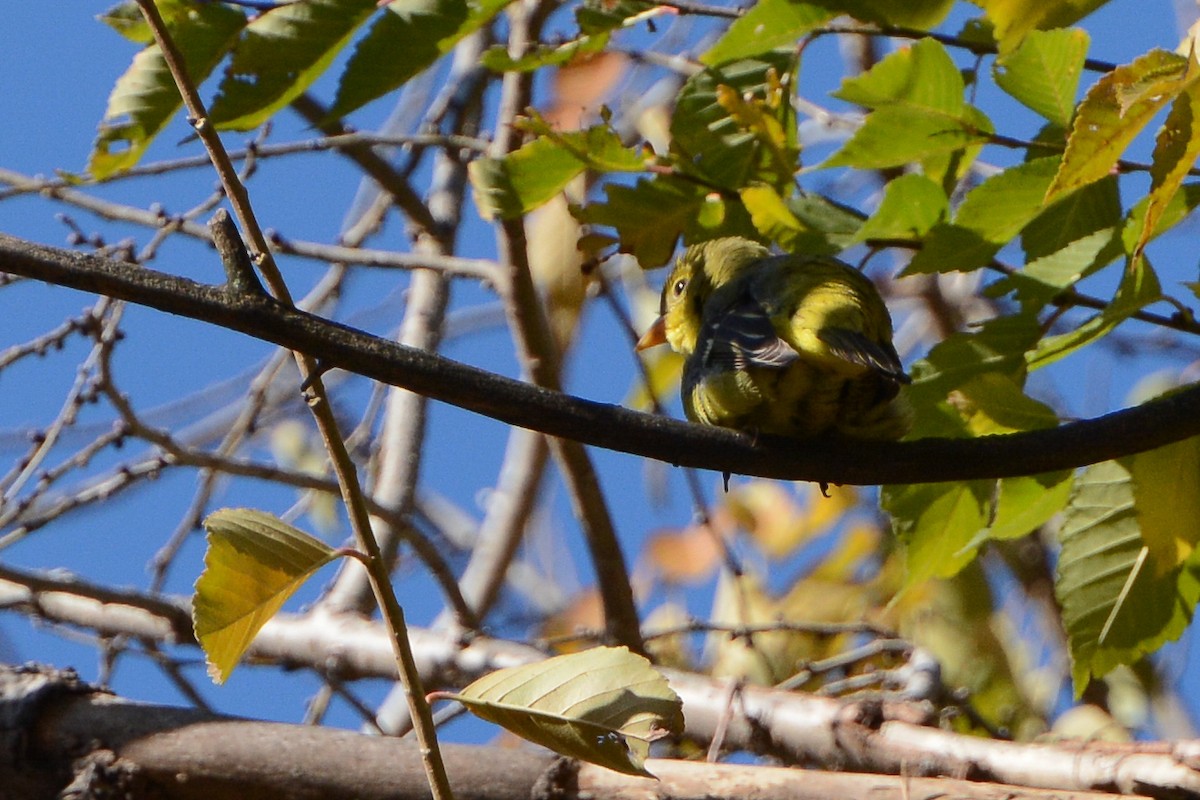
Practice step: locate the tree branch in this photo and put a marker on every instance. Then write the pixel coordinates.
(147, 750)
(1121, 433)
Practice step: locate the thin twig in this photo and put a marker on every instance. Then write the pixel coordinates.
(318, 401)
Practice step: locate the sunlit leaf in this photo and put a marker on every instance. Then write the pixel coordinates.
(994, 403)
(774, 220)
(1177, 209)
(921, 76)
(911, 205)
(253, 564)
(603, 705)
(126, 19)
(1043, 73)
(1025, 504)
(1114, 111)
(1043, 278)
(1166, 484)
(530, 176)
(894, 136)
(1175, 153)
(598, 16)
(145, 97)
(935, 522)
(765, 26)
(918, 114)
(920, 14)
(1013, 20)
(989, 217)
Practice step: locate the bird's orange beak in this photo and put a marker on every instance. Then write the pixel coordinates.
(656, 335)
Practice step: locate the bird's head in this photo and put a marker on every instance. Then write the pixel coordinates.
(701, 269)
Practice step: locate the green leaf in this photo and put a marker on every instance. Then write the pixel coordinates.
(943, 525)
(506, 188)
(497, 58)
(649, 216)
(1013, 20)
(521, 181)
(283, 51)
(951, 248)
(765, 26)
(921, 14)
(1093, 208)
(1114, 111)
(603, 706)
(919, 114)
(1117, 604)
(911, 205)
(1178, 208)
(1021, 506)
(897, 135)
(1175, 153)
(1040, 280)
(998, 345)
(994, 403)
(1025, 504)
(836, 222)
(1138, 289)
(126, 19)
(254, 563)
(1000, 207)
(1043, 73)
(921, 76)
(989, 217)
(935, 522)
(145, 97)
(774, 220)
(712, 126)
(408, 37)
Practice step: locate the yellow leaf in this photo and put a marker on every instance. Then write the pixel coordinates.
(1114, 111)
(1166, 491)
(253, 564)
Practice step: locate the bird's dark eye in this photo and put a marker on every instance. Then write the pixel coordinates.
(679, 286)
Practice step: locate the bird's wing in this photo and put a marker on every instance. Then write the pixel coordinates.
(856, 348)
(741, 335)
(826, 308)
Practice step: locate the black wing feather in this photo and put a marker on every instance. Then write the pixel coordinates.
(741, 335)
(858, 349)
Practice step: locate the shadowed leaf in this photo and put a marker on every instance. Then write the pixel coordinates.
(145, 97)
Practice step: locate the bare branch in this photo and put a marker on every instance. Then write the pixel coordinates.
(1121, 433)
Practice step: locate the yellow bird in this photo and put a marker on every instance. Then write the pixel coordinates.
(793, 345)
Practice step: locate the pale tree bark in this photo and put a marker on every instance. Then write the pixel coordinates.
(871, 737)
(61, 737)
